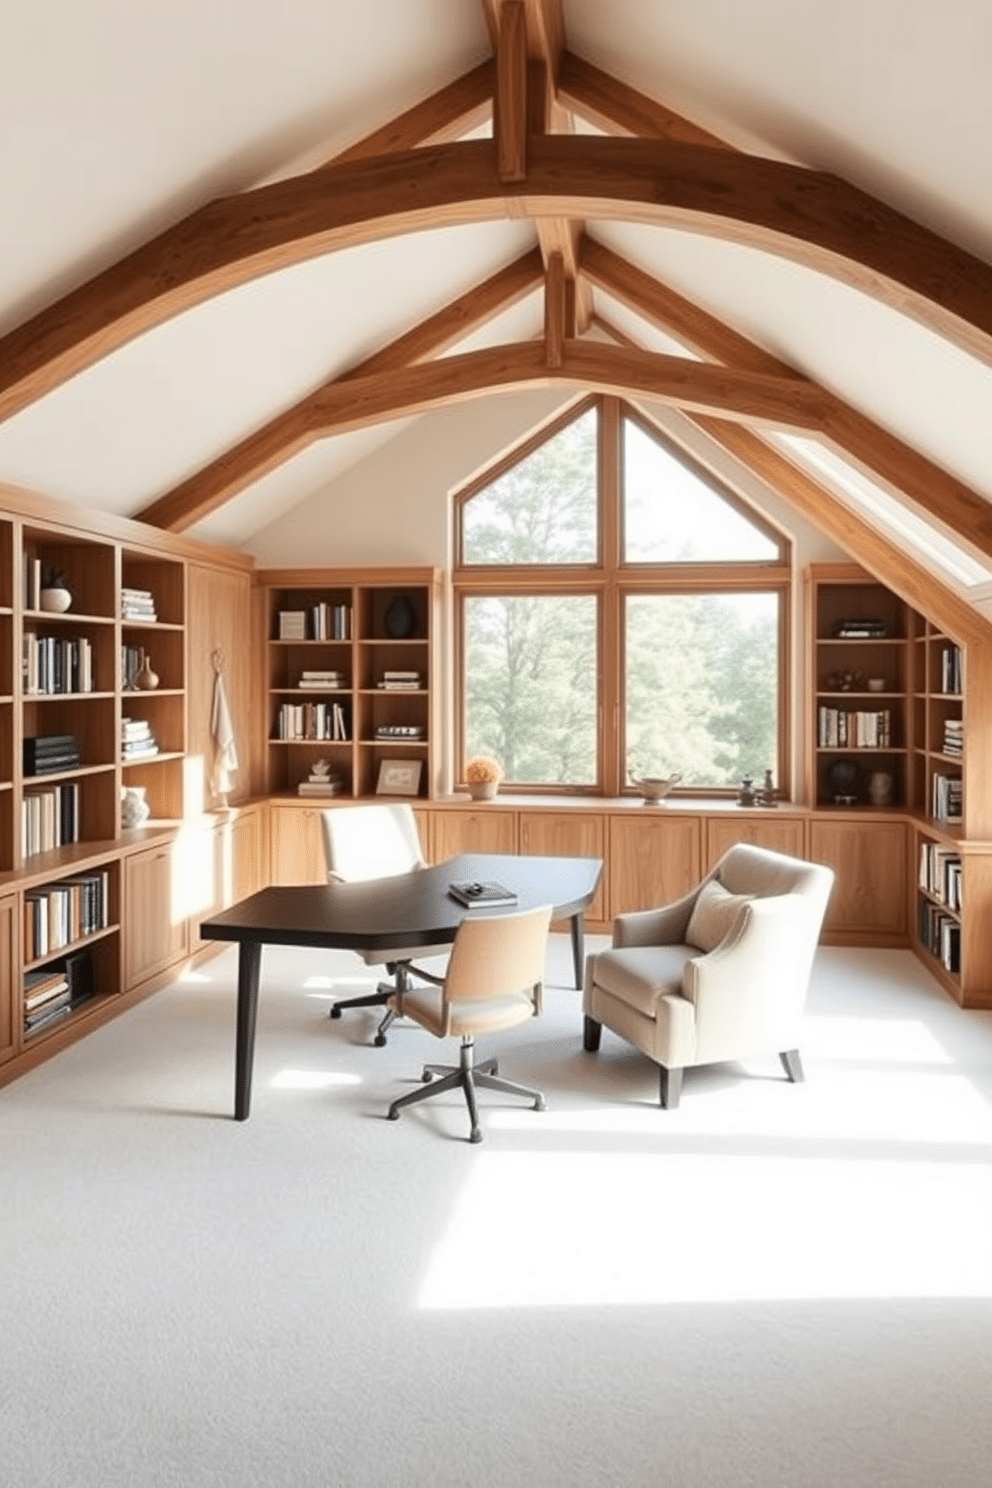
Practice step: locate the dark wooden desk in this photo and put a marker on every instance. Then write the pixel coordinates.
(411, 910)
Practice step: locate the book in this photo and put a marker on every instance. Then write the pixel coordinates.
(476, 894)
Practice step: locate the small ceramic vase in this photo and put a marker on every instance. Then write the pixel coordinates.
(145, 679)
(55, 601)
(482, 790)
(135, 810)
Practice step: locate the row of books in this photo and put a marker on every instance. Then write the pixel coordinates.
(946, 797)
(138, 604)
(48, 754)
(317, 721)
(329, 680)
(57, 915)
(52, 993)
(951, 670)
(49, 818)
(940, 873)
(54, 664)
(137, 740)
(840, 728)
(940, 933)
(318, 622)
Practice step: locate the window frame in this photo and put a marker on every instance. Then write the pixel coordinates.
(611, 579)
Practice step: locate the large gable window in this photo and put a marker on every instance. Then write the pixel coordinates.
(620, 614)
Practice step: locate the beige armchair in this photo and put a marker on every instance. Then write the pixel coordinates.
(720, 974)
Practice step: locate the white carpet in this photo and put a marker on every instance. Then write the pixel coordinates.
(772, 1285)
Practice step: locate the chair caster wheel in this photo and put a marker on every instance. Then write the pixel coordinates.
(335, 1011)
(380, 1040)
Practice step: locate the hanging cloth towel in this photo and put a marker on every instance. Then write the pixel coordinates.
(225, 750)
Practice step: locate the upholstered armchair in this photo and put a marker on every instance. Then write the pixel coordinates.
(720, 974)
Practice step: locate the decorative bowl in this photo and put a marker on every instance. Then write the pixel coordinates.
(655, 788)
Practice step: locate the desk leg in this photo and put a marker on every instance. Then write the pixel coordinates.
(578, 949)
(249, 963)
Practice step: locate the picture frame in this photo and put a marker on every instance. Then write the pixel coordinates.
(399, 777)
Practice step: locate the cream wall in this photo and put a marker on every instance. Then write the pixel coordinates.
(394, 507)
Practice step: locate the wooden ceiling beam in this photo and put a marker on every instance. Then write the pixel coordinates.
(545, 28)
(279, 439)
(610, 105)
(450, 112)
(880, 454)
(356, 402)
(555, 328)
(814, 218)
(510, 116)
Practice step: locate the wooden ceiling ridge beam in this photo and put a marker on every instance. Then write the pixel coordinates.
(935, 491)
(281, 437)
(813, 218)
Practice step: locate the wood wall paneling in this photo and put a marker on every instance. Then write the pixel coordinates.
(10, 981)
(219, 605)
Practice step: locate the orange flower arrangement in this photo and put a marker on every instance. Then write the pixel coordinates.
(482, 768)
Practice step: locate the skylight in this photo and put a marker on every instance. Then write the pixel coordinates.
(930, 544)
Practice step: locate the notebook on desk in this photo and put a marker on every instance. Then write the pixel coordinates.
(472, 893)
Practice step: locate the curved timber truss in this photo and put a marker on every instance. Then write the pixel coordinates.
(652, 167)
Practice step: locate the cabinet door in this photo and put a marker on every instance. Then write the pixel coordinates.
(654, 858)
(869, 899)
(569, 835)
(10, 981)
(474, 831)
(155, 914)
(780, 833)
(296, 849)
(227, 868)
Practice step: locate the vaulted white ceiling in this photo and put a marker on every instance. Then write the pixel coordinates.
(118, 118)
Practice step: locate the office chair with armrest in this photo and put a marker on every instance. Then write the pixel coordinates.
(495, 980)
(368, 842)
(720, 974)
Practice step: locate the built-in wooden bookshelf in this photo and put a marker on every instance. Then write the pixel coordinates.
(350, 680)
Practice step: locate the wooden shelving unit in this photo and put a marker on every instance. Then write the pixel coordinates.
(388, 623)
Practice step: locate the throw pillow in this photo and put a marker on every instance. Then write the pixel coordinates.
(714, 913)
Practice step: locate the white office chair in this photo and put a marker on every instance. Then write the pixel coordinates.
(362, 843)
(495, 980)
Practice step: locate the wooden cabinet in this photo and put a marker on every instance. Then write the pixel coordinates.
(349, 668)
(868, 905)
(157, 907)
(296, 849)
(785, 834)
(10, 1001)
(655, 856)
(487, 829)
(571, 835)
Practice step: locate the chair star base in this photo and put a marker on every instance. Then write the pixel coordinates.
(465, 1076)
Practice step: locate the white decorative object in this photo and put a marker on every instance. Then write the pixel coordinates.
(655, 788)
(482, 790)
(135, 810)
(56, 601)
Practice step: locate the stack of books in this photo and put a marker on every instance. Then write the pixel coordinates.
(858, 629)
(54, 664)
(137, 740)
(400, 681)
(138, 604)
(953, 737)
(47, 999)
(49, 818)
(327, 681)
(322, 781)
(404, 732)
(48, 754)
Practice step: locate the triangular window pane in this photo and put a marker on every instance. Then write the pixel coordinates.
(673, 515)
(541, 510)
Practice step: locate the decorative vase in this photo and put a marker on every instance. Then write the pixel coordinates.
(482, 790)
(56, 601)
(145, 679)
(401, 618)
(135, 810)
